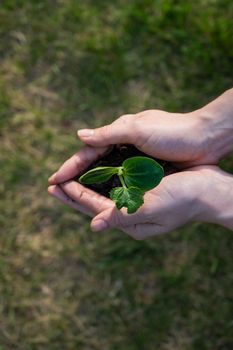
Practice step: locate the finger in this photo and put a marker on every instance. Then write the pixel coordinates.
(120, 131)
(112, 217)
(76, 164)
(87, 198)
(57, 192)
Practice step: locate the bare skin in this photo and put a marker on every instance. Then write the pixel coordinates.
(195, 141)
(202, 137)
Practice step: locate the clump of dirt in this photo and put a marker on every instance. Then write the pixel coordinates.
(115, 157)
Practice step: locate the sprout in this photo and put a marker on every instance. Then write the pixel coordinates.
(137, 175)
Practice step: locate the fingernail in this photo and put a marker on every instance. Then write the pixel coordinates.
(99, 225)
(85, 132)
(52, 178)
(51, 190)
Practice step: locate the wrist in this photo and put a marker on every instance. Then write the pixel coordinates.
(216, 120)
(214, 200)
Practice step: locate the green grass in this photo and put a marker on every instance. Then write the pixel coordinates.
(69, 64)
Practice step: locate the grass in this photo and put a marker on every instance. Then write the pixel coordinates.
(69, 64)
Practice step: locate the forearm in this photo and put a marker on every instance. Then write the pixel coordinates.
(217, 121)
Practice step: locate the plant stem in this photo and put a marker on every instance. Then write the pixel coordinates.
(122, 181)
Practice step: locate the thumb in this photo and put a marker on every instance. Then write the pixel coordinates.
(112, 217)
(119, 131)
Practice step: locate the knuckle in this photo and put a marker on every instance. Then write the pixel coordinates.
(138, 126)
(126, 120)
(80, 195)
(117, 218)
(148, 112)
(143, 114)
(126, 117)
(127, 124)
(105, 131)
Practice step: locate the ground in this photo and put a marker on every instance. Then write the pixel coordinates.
(67, 64)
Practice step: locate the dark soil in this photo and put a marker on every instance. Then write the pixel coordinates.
(115, 157)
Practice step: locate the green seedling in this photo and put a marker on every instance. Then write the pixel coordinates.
(137, 175)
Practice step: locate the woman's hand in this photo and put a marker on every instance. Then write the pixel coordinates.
(201, 137)
(197, 194)
(202, 193)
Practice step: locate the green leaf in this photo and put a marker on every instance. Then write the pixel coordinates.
(142, 172)
(98, 175)
(131, 198)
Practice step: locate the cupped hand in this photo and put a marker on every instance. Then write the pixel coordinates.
(180, 138)
(196, 194)
(180, 198)
(201, 137)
